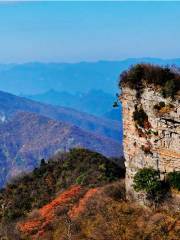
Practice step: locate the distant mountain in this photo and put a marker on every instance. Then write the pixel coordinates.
(115, 114)
(94, 102)
(27, 137)
(35, 78)
(10, 104)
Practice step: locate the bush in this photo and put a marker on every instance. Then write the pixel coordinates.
(159, 106)
(174, 180)
(81, 179)
(148, 180)
(146, 149)
(140, 117)
(116, 191)
(169, 89)
(138, 76)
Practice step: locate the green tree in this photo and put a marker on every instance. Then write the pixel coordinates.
(148, 180)
(169, 89)
(174, 180)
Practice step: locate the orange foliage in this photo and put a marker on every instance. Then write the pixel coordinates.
(29, 226)
(48, 210)
(46, 213)
(80, 207)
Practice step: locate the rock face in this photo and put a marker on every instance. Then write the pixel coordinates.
(156, 144)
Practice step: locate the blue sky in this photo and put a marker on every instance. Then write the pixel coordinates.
(88, 31)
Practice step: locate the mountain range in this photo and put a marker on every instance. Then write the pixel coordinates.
(35, 78)
(30, 131)
(89, 87)
(27, 138)
(10, 104)
(96, 102)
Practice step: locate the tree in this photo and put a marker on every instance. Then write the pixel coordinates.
(174, 180)
(169, 89)
(148, 180)
(43, 163)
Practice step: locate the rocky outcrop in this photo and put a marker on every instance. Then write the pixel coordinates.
(155, 142)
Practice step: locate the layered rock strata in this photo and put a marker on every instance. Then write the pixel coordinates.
(156, 144)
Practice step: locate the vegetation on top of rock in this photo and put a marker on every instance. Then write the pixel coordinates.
(139, 75)
(33, 190)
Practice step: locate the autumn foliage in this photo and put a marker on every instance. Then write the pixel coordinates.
(81, 205)
(47, 212)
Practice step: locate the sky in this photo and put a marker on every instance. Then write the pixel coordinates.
(88, 31)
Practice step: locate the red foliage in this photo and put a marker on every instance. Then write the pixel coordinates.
(80, 207)
(29, 226)
(48, 210)
(37, 227)
(46, 213)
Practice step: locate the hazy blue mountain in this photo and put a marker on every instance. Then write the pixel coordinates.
(32, 130)
(94, 102)
(35, 78)
(27, 138)
(114, 114)
(11, 104)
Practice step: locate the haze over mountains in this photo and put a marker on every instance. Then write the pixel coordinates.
(35, 78)
(28, 137)
(30, 131)
(10, 104)
(95, 102)
(86, 86)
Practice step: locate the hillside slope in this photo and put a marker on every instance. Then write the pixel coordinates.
(79, 196)
(28, 137)
(10, 104)
(95, 102)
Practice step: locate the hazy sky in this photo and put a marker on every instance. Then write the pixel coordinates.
(83, 31)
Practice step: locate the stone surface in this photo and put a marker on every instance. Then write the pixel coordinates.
(162, 138)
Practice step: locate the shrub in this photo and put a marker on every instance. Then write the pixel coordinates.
(161, 108)
(141, 74)
(174, 180)
(148, 180)
(146, 149)
(140, 117)
(159, 105)
(169, 89)
(133, 76)
(81, 179)
(115, 191)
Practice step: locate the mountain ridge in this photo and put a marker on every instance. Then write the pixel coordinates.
(27, 137)
(33, 78)
(10, 104)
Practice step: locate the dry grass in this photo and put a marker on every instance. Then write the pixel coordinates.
(104, 214)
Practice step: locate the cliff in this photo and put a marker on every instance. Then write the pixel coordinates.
(151, 122)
